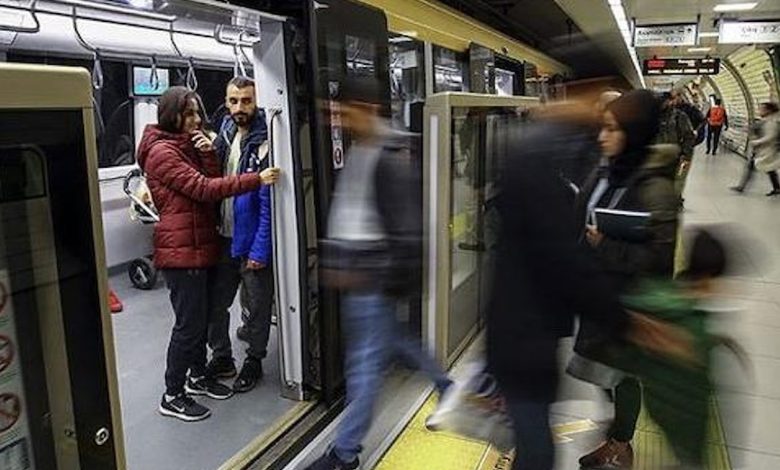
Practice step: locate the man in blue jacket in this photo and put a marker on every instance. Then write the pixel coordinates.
(246, 230)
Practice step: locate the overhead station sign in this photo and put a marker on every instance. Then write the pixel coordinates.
(706, 66)
(665, 35)
(749, 32)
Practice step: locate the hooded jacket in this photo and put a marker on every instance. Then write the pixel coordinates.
(186, 186)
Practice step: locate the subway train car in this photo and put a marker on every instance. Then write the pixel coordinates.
(79, 81)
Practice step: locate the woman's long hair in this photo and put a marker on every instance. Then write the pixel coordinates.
(172, 105)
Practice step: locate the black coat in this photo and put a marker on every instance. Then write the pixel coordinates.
(542, 274)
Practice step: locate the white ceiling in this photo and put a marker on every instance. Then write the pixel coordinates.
(687, 11)
(595, 19)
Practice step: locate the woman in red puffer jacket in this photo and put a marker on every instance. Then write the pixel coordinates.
(184, 177)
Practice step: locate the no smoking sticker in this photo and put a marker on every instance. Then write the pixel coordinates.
(10, 410)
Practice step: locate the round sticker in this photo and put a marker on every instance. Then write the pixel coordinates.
(6, 352)
(10, 409)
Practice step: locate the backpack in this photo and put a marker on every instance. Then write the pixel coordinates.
(717, 116)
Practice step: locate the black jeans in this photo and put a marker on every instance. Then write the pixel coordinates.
(257, 290)
(534, 449)
(187, 347)
(713, 138)
(747, 176)
(628, 404)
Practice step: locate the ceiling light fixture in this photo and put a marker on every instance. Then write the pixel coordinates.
(699, 49)
(619, 14)
(735, 6)
(709, 34)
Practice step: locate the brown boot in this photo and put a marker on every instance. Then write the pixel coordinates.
(610, 454)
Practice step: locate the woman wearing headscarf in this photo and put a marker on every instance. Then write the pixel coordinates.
(184, 177)
(634, 176)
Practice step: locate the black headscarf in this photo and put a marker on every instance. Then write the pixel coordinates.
(638, 114)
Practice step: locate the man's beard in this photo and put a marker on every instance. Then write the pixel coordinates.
(241, 118)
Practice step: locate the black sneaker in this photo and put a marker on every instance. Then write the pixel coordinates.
(250, 373)
(773, 192)
(737, 189)
(221, 368)
(209, 387)
(329, 461)
(184, 408)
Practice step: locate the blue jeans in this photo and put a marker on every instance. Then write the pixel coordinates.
(373, 340)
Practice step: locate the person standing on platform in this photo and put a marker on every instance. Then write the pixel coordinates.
(245, 231)
(542, 275)
(717, 121)
(765, 155)
(638, 177)
(675, 128)
(372, 255)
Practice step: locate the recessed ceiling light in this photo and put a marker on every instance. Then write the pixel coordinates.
(699, 49)
(735, 6)
(709, 34)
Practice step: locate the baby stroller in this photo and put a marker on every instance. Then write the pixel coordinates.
(142, 272)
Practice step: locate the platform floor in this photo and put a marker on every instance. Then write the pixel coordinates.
(745, 435)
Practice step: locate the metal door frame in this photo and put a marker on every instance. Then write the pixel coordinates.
(437, 194)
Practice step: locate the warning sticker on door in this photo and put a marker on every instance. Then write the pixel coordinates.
(15, 453)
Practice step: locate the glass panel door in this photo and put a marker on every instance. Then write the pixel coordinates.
(51, 339)
(465, 223)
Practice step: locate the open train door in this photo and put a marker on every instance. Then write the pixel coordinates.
(345, 39)
(59, 404)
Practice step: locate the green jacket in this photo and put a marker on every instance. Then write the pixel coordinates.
(675, 128)
(676, 395)
(649, 189)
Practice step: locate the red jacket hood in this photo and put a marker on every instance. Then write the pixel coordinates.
(154, 135)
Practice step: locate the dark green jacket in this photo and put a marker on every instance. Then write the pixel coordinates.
(675, 128)
(649, 189)
(676, 395)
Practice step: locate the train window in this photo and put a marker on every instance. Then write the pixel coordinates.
(361, 56)
(451, 70)
(505, 82)
(407, 77)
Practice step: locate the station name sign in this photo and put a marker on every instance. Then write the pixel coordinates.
(706, 66)
(749, 32)
(683, 34)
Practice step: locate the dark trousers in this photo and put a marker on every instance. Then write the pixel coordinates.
(256, 298)
(750, 169)
(628, 403)
(534, 449)
(713, 138)
(187, 347)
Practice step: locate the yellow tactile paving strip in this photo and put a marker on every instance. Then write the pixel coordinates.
(419, 449)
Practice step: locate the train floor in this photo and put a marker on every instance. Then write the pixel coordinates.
(154, 442)
(747, 410)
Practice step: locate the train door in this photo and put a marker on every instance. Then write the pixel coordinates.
(58, 384)
(345, 39)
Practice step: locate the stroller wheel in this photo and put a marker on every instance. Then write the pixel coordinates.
(142, 273)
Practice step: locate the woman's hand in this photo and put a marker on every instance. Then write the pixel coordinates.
(270, 176)
(202, 142)
(593, 235)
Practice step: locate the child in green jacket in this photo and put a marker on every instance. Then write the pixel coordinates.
(677, 392)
